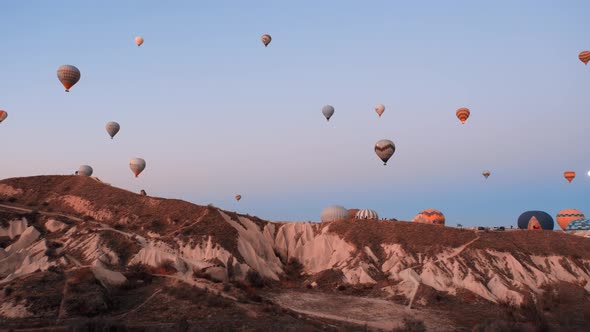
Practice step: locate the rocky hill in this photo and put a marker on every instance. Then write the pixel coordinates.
(74, 250)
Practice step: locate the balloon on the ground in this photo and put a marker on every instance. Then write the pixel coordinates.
(579, 225)
(85, 170)
(328, 111)
(430, 216)
(137, 166)
(68, 75)
(384, 149)
(463, 114)
(334, 213)
(366, 214)
(112, 128)
(265, 39)
(564, 217)
(139, 40)
(380, 109)
(535, 220)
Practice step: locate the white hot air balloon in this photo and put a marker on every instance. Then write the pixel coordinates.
(328, 111)
(85, 170)
(137, 166)
(380, 109)
(112, 128)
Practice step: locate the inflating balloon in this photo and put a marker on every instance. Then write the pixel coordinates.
(384, 150)
(68, 75)
(85, 170)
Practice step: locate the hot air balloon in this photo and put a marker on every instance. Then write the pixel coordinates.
(384, 150)
(139, 40)
(238, 197)
(365, 214)
(569, 175)
(535, 220)
(463, 114)
(584, 57)
(68, 75)
(430, 216)
(3, 115)
(328, 111)
(137, 165)
(112, 128)
(265, 39)
(380, 109)
(334, 213)
(85, 170)
(564, 217)
(486, 174)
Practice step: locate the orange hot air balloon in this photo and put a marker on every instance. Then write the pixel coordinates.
(569, 175)
(139, 40)
(463, 114)
(3, 115)
(584, 57)
(430, 216)
(564, 217)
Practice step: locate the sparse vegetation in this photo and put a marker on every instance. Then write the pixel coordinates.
(411, 325)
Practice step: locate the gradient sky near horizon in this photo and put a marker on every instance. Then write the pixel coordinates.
(215, 113)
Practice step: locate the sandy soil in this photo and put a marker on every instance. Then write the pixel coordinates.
(376, 313)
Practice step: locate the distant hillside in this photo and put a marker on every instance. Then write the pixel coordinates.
(59, 233)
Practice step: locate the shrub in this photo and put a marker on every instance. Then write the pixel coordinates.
(255, 279)
(411, 325)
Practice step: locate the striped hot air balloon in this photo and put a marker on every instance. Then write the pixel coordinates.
(463, 113)
(365, 214)
(430, 216)
(3, 115)
(584, 57)
(68, 75)
(569, 175)
(564, 217)
(384, 149)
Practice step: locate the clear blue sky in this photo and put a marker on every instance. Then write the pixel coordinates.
(215, 113)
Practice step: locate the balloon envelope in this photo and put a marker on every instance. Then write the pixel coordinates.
(3, 115)
(68, 75)
(463, 114)
(564, 217)
(486, 174)
(137, 166)
(328, 111)
(569, 175)
(265, 39)
(139, 40)
(584, 57)
(112, 128)
(238, 197)
(380, 109)
(85, 170)
(384, 149)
